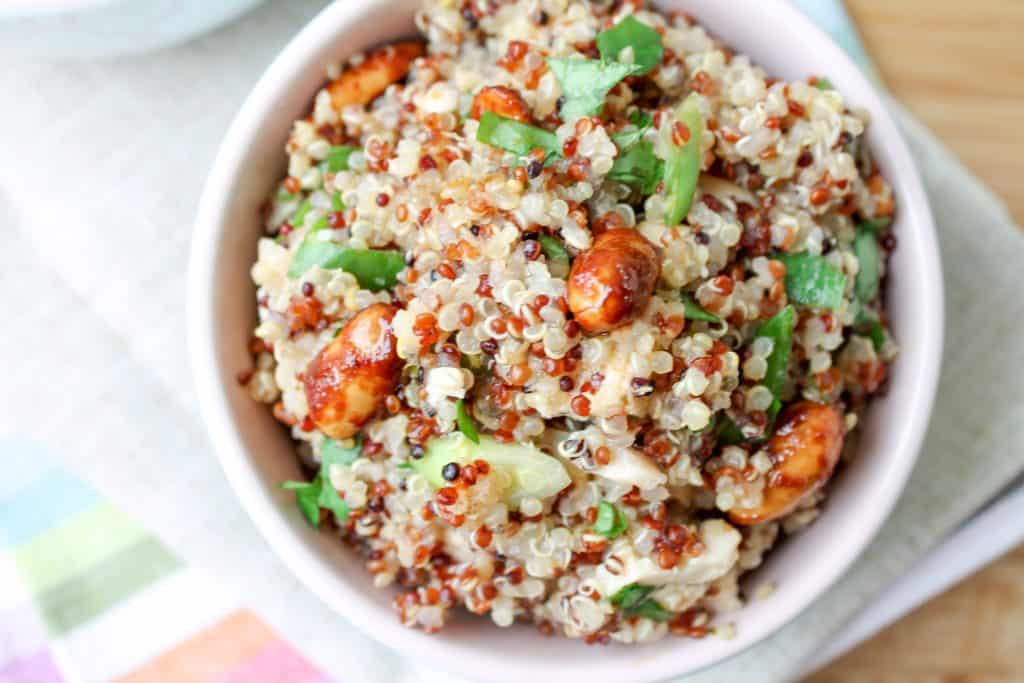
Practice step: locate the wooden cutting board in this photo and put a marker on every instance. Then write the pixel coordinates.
(959, 66)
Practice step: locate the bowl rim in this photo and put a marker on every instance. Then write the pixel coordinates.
(315, 571)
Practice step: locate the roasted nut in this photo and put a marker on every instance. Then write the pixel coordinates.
(368, 79)
(500, 100)
(348, 381)
(804, 450)
(611, 283)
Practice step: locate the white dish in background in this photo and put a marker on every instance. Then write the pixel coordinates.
(257, 454)
(80, 29)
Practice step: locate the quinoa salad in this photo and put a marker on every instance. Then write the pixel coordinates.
(571, 311)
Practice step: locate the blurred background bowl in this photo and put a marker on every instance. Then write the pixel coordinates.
(80, 29)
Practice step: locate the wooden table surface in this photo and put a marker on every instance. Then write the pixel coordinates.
(959, 66)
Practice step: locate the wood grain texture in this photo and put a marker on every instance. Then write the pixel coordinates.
(959, 66)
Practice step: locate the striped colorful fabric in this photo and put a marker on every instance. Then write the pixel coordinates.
(77, 574)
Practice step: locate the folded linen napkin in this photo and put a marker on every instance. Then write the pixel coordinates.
(103, 166)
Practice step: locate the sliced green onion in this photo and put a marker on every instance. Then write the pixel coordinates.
(300, 216)
(645, 41)
(611, 522)
(514, 136)
(333, 453)
(812, 281)
(824, 84)
(869, 275)
(694, 311)
(465, 422)
(586, 82)
(374, 269)
(336, 202)
(778, 328)
(682, 168)
(337, 158)
(553, 249)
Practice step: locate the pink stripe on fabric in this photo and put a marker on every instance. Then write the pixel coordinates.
(21, 633)
(276, 663)
(37, 668)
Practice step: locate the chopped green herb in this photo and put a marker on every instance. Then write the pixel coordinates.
(645, 41)
(824, 84)
(307, 497)
(694, 311)
(638, 166)
(284, 196)
(300, 215)
(336, 202)
(320, 493)
(374, 269)
(514, 136)
(812, 281)
(728, 433)
(875, 225)
(465, 422)
(611, 522)
(625, 139)
(778, 328)
(405, 466)
(865, 246)
(876, 333)
(634, 601)
(553, 249)
(337, 158)
(586, 82)
(682, 168)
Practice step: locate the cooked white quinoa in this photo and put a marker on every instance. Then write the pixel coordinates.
(633, 416)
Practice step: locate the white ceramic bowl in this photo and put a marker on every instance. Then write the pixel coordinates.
(257, 454)
(80, 29)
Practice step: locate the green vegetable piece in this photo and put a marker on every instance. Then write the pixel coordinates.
(628, 597)
(284, 196)
(626, 139)
(530, 472)
(374, 269)
(630, 32)
(319, 493)
(514, 136)
(813, 281)
(634, 601)
(694, 311)
(638, 166)
(307, 497)
(333, 453)
(553, 249)
(465, 422)
(300, 215)
(876, 333)
(682, 168)
(778, 328)
(875, 225)
(824, 84)
(728, 433)
(611, 522)
(337, 158)
(404, 466)
(586, 82)
(869, 256)
(336, 202)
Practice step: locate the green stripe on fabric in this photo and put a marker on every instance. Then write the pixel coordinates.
(87, 595)
(75, 546)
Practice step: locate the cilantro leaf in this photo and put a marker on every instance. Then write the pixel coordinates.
(307, 495)
(514, 136)
(812, 281)
(586, 82)
(630, 32)
(634, 601)
(639, 166)
(694, 311)
(310, 496)
(611, 522)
